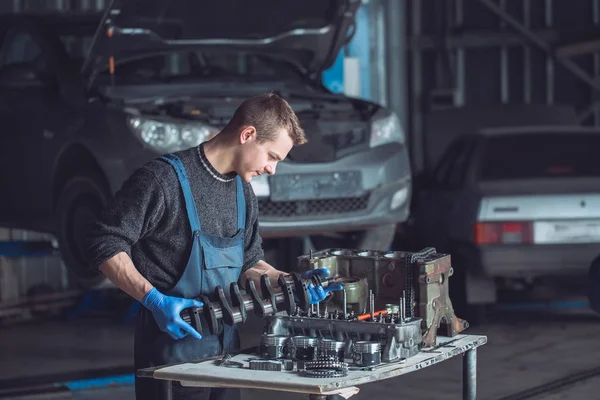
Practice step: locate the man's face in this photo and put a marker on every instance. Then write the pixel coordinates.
(257, 159)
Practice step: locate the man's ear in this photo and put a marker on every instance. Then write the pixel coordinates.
(247, 134)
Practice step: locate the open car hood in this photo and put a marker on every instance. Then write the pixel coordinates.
(308, 33)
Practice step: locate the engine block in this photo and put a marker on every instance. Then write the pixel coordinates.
(417, 281)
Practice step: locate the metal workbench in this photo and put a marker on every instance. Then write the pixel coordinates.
(209, 374)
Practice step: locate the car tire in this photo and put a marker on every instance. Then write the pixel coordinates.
(475, 314)
(80, 202)
(457, 285)
(594, 285)
(379, 239)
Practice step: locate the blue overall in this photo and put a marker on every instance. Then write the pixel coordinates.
(214, 261)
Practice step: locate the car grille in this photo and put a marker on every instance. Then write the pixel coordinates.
(342, 140)
(306, 208)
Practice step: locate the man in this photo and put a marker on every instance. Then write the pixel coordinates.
(186, 223)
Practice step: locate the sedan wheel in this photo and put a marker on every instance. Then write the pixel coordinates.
(79, 204)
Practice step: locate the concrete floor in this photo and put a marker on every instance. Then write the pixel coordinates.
(523, 351)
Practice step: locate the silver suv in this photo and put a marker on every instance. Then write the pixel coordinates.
(115, 90)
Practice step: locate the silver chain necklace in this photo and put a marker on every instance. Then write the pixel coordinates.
(206, 167)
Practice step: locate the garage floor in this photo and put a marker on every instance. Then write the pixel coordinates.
(523, 351)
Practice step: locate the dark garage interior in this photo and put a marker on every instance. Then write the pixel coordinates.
(378, 198)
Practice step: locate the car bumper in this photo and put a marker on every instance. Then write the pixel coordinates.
(385, 173)
(540, 260)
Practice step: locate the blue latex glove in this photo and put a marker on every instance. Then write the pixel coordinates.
(166, 310)
(318, 294)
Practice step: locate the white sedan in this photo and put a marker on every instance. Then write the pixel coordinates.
(513, 202)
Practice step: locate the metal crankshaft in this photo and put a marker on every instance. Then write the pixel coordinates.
(293, 295)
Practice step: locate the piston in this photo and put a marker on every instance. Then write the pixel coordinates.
(367, 354)
(330, 347)
(273, 346)
(304, 348)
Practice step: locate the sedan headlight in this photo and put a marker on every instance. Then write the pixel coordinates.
(169, 136)
(386, 130)
(260, 185)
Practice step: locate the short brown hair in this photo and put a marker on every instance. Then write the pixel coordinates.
(267, 113)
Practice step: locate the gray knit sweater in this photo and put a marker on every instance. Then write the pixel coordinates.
(147, 218)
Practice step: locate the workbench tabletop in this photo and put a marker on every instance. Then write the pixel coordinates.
(208, 374)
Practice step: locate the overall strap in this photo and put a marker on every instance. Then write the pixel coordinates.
(190, 205)
(241, 203)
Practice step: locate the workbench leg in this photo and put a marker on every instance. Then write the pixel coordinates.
(469, 371)
(168, 390)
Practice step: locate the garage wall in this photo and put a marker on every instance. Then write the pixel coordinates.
(497, 72)
(462, 53)
(50, 5)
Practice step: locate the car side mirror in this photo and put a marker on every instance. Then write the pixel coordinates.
(23, 75)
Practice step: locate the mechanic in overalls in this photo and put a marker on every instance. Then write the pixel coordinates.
(186, 223)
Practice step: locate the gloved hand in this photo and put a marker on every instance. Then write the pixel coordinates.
(166, 309)
(318, 294)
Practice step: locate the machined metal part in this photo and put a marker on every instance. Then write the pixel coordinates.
(388, 308)
(300, 365)
(330, 344)
(367, 359)
(421, 278)
(265, 365)
(403, 304)
(433, 302)
(304, 341)
(398, 341)
(337, 365)
(332, 348)
(273, 346)
(273, 340)
(219, 309)
(345, 305)
(303, 348)
(288, 365)
(357, 294)
(367, 354)
(367, 347)
(325, 367)
(317, 373)
(401, 308)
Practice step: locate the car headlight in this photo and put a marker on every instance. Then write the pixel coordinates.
(386, 130)
(260, 185)
(168, 137)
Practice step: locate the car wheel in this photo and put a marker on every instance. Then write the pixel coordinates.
(80, 202)
(379, 238)
(474, 313)
(594, 285)
(457, 285)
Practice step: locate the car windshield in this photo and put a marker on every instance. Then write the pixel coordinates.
(540, 155)
(202, 65)
(187, 65)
